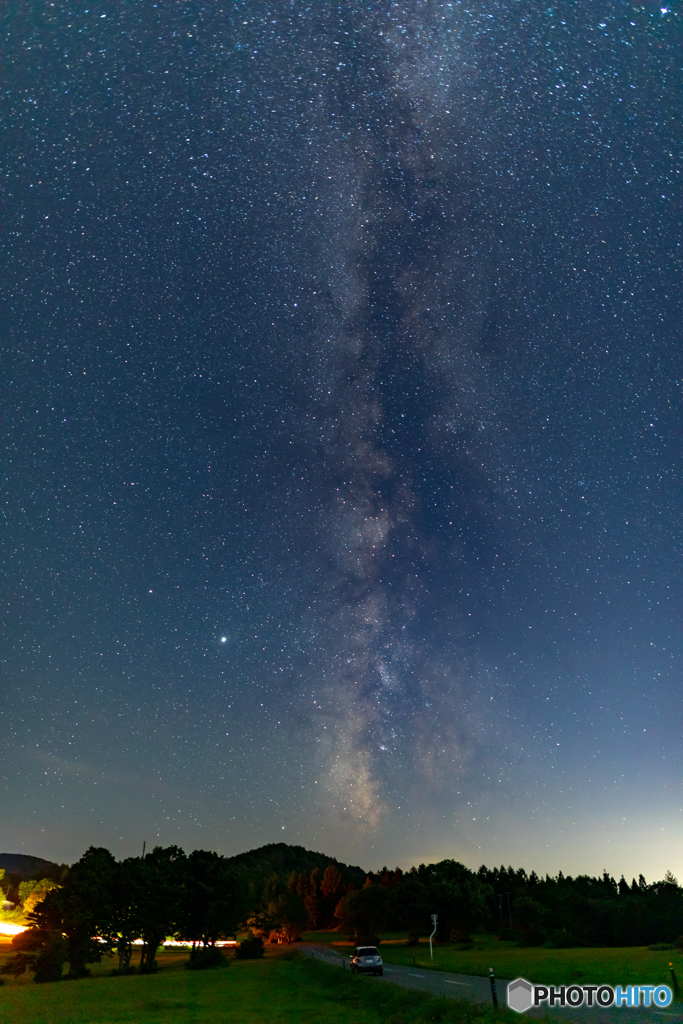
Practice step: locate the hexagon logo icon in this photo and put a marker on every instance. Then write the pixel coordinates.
(520, 995)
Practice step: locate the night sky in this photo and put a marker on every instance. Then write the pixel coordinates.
(341, 404)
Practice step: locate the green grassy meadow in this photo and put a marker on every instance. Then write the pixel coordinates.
(280, 989)
(286, 988)
(629, 965)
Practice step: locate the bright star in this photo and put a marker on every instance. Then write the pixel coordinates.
(223, 639)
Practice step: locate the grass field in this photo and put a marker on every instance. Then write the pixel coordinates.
(286, 988)
(622, 966)
(281, 989)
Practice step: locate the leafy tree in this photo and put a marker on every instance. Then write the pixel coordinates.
(157, 883)
(309, 891)
(529, 912)
(389, 879)
(126, 920)
(261, 922)
(41, 950)
(214, 900)
(289, 916)
(331, 891)
(65, 920)
(529, 918)
(410, 908)
(461, 907)
(307, 885)
(365, 912)
(331, 885)
(5, 888)
(81, 910)
(38, 893)
(26, 888)
(461, 899)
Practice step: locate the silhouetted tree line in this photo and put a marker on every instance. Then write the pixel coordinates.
(583, 911)
(103, 906)
(557, 912)
(404, 901)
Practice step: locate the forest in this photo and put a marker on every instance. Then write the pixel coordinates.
(103, 907)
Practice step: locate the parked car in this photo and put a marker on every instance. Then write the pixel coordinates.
(366, 960)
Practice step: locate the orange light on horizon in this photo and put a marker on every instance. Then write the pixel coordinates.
(11, 929)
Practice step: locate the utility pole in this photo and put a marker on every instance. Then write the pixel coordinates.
(431, 951)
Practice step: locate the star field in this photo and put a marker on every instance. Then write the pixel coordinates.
(342, 428)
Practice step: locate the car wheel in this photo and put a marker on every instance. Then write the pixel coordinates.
(381, 972)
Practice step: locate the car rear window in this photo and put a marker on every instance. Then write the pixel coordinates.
(367, 951)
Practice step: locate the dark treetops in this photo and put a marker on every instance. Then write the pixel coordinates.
(104, 905)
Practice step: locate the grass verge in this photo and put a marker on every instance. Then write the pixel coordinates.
(630, 965)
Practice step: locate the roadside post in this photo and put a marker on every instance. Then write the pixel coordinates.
(673, 977)
(431, 951)
(494, 994)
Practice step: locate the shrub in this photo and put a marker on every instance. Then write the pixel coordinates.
(206, 958)
(250, 948)
(40, 950)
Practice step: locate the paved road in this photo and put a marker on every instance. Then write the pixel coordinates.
(478, 990)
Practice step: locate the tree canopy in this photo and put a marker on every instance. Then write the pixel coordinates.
(103, 905)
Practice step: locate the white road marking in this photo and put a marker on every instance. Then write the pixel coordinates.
(465, 983)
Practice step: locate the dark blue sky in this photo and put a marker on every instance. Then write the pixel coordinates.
(343, 430)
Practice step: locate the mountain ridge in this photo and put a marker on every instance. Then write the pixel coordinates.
(26, 864)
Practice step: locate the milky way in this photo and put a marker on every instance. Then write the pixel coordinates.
(397, 383)
(344, 422)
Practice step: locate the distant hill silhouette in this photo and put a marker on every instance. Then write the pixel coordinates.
(273, 859)
(26, 866)
(282, 859)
